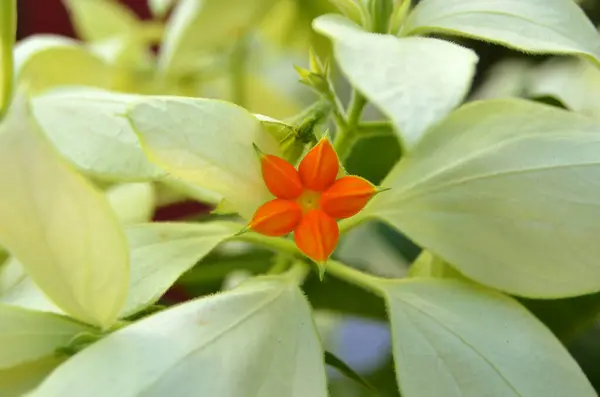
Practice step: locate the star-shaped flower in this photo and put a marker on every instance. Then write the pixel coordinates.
(310, 200)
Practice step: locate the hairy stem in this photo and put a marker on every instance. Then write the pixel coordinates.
(338, 109)
(277, 243)
(297, 273)
(281, 263)
(346, 135)
(360, 279)
(334, 268)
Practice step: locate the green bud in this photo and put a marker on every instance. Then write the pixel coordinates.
(316, 81)
(353, 9)
(380, 11)
(315, 63)
(401, 10)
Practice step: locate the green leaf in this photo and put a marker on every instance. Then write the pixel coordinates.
(162, 252)
(200, 26)
(160, 8)
(535, 26)
(101, 19)
(17, 381)
(206, 143)
(28, 335)
(506, 79)
(132, 202)
(335, 362)
(192, 191)
(18, 289)
(431, 266)
(88, 127)
(45, 61)
(459, 340)
(260, 334)
(414, 81)
(505, 191)
(574, 82)
(127, 53)
(59, 226)
(8, 31)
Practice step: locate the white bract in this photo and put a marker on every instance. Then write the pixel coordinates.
(198, 26)
(162, 252)
(45, 61)
(28, 335)
(454, 339)
(207, 143)
(538, 26)
(258, 339)
(59, 227)
(101, 19)
(18, 289)
(89, 128)
(414, 81)
(506, 191)
(575, 82)
(17, 381)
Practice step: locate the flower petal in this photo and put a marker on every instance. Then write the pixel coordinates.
(276, 218)
(317, 235)
(347, 196)
(281, 177)
(319, 168)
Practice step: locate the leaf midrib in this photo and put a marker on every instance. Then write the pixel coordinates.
(430, 26)
(461, 339)
(261, 306)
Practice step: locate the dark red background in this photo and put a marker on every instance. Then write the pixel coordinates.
(50, 16)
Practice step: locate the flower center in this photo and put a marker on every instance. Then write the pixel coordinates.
(309, 200)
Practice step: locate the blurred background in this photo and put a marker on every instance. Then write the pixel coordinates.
(352, 322)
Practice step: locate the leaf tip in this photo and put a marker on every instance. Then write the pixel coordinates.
(244, 230)
(259, 152)
(322, 269)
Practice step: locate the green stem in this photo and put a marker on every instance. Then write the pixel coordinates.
(401, 11)
(334, 268)
(297, 273)
(338, 108)
(281, 264)
(277, 243)
(238, 62)
(8, 30)
(355, 109)
(356, 277)
(380, 15)
(346, 136)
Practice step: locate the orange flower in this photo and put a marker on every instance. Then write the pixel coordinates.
(309, 201)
